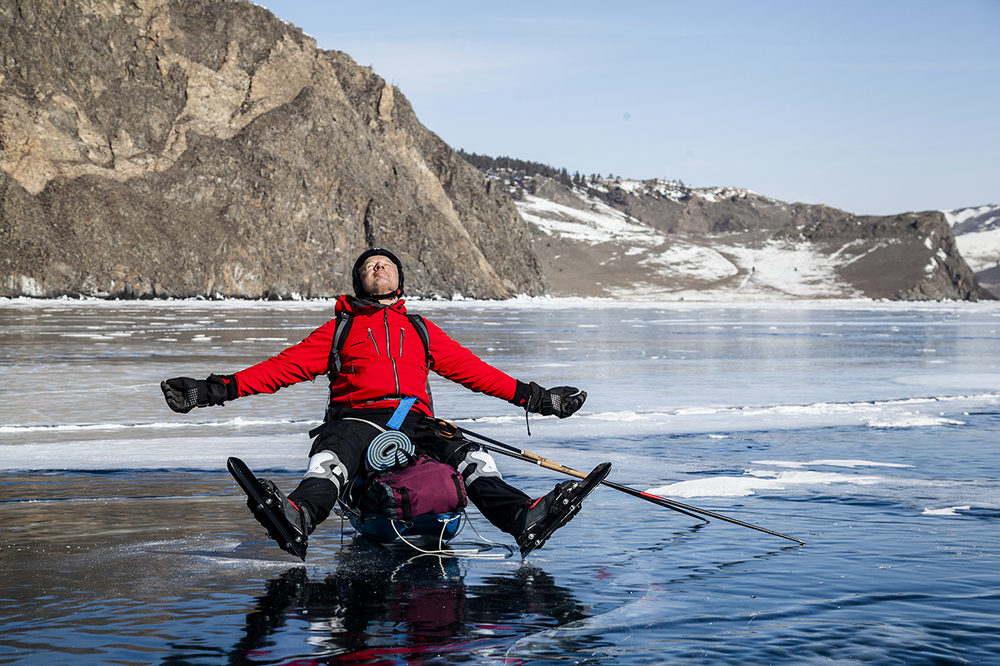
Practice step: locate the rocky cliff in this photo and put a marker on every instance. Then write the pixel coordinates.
(204, 147)
(663, 239)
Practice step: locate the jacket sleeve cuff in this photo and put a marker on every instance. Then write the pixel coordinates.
(528, 396)
(226, 382)
(522, 393)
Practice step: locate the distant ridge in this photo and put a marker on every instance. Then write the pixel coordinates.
(610, 236)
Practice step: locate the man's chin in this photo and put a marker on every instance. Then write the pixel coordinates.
(381, 287)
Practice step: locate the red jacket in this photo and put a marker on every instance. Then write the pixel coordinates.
(382, 360)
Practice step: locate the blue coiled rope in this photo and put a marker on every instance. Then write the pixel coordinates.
(390, 449)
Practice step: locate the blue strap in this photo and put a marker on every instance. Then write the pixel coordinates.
(401, 411)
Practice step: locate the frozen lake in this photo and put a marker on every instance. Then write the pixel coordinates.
(869, 430)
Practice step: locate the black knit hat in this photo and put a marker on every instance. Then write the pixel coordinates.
(359, 289)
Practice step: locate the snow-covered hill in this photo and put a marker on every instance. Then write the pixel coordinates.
(977, 232)
(629, 258)
(663, 240)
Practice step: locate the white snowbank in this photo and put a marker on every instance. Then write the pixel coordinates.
(826, 463)
(947, 511)
(758, 480)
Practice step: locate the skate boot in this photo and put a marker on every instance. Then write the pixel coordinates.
(541, 518)
(286, 523)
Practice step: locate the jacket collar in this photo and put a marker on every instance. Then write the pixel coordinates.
(356, 305)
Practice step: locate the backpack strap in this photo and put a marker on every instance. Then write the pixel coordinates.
(418, 323)
(421, 326)
(341, 328)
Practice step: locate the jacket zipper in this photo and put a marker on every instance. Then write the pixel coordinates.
(371, 336)
(395, 373)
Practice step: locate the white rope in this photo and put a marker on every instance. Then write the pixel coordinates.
(478, 553)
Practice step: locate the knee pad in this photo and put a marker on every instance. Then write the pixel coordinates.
(477, 463)
(326, 465)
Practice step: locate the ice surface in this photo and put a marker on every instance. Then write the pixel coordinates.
(652, 371)
(867, 429)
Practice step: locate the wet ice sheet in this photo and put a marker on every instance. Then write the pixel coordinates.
(868, 430)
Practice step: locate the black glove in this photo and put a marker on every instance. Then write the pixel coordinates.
(184, 394)
(561, 401)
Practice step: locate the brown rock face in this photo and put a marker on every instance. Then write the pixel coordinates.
(912, 256)
(197, 148)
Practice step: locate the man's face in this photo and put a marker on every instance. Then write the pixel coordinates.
(379, 275)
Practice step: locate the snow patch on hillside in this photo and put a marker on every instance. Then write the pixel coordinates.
(792, 269)
(600, 223)
(980, 249)
(689, 260)
(977, 233)
(961, 215)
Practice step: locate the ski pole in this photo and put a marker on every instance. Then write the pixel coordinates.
(527, 456)
(686, 509)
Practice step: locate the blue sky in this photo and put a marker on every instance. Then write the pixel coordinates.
(875, 107)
